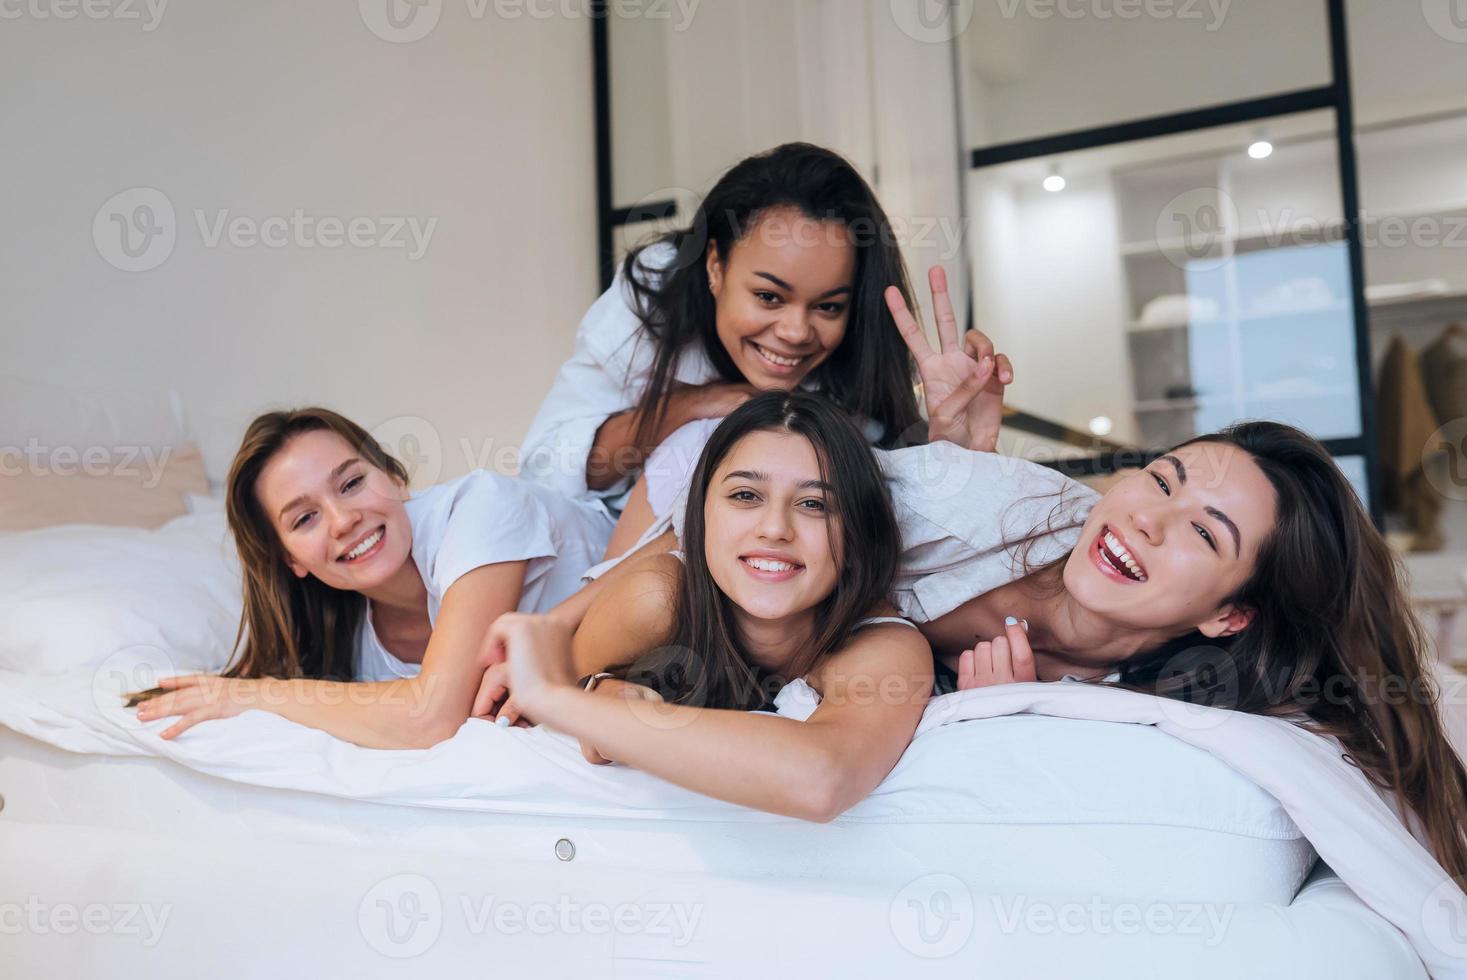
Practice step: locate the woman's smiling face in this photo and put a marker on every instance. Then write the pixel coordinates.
(1167, 545)
(769, 527)
(783, 295)
(339, 517)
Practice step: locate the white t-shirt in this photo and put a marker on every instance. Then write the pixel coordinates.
(607, 374)
(481, 519)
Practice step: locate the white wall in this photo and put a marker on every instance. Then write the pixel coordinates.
(1039, 67)
(744, 77)
(1048, 287)
(265, 107)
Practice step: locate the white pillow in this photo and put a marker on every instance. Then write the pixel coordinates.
(1093, 805)
(116, 418)
(74, 597)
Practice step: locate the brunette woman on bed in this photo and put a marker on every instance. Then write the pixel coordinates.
(1238, 570)
(348, 577)
(791, 545)
(777, 283)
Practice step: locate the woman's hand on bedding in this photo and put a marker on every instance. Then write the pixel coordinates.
(494, 700)
(963, 382)
(537, 649)
(1006, 659)
(199, 697)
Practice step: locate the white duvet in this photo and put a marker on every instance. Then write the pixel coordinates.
(103, 612)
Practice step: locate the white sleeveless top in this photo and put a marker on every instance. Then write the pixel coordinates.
(798, 700)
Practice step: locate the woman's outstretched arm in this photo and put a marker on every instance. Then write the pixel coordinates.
(874, 692)
(412, 713)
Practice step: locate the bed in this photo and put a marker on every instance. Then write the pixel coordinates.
(202, 875)
(1010, 846)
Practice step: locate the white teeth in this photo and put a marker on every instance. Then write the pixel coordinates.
(770, 565)
(365, 546)
(781, 361)
(1114, 544)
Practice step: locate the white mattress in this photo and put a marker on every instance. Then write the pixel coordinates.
(1037, 788)
(199, 876)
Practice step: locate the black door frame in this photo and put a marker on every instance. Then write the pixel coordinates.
(1335, 96)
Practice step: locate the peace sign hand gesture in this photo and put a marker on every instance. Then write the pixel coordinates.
(963, 384)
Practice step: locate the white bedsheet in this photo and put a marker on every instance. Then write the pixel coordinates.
(537, 771)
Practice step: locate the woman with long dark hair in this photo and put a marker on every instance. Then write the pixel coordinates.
(791, 546)
(778, 283)
(1238, 570)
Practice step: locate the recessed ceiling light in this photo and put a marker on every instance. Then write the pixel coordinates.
(1260, 149)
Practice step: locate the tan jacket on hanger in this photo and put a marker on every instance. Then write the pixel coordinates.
(1406, 423)
(1444, 370)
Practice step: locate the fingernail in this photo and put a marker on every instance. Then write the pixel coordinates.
(502, 721)
(1026, 624)
(1010, 621)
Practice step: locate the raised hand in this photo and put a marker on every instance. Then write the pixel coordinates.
(1006, 659)
(494, 700)
(963, 382)
(537, 649)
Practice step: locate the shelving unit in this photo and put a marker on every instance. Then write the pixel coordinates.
(1274, 332)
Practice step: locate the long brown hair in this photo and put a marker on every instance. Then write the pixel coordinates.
(1332, 638)
(704, 663)
(869, 373)
(292, 627)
